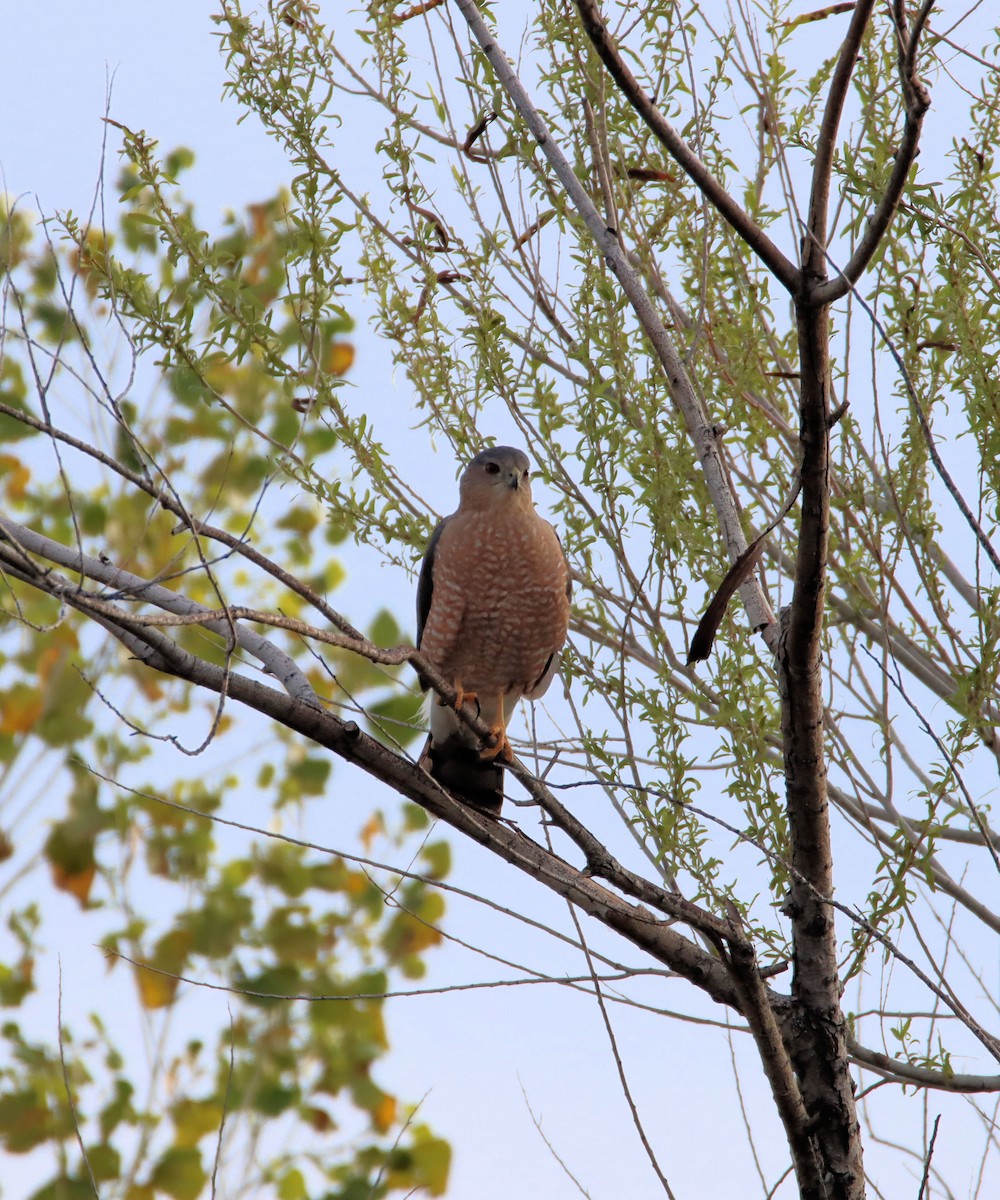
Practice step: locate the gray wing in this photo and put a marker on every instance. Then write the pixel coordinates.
(425, 583)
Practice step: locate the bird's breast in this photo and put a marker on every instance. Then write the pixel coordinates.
(499, 609)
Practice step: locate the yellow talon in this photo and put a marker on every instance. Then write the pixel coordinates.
(462, 697)
(500, 750)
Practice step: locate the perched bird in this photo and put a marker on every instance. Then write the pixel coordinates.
(492, 616)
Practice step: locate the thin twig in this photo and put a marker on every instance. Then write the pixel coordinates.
(350, 997)
(225, 1105)
(69, 1090)
(927, 1160)
(988, 1040)
(942, 470)
(619, 1065)
(536, 1121)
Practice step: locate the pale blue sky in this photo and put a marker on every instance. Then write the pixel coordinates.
(471, 1052)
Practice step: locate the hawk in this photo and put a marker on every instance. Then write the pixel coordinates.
(492, 615)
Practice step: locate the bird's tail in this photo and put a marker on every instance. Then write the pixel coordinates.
(453, 757)
(459, 769)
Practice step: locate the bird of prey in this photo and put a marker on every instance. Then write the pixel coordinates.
(492, 616)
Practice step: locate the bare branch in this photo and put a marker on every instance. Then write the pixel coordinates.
(819, 199)
(740, 221)
(551, 1149)
(25, 541)
(777, 1064)
(916, 102)
(681, 389)
(929, 1158)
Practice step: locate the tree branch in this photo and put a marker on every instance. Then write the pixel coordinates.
(17, 541)
(682, 391)
(169, 503)
(776, 1063)
(916, 101)
(348, 741)
(738, 219)
(25, 541)
(600, 862)
(902, 1072)
(813, 267)
(817, 1040)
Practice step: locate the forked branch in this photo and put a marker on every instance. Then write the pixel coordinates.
(303, 714)
(736, 217)
(916, 101)
(682, 390)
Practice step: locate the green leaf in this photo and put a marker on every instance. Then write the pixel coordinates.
(309, 777)
(65, 1188)
(384, 631)
(194, 1119)
(292, 1186)
(104, 1162)
(398, 719)
(431, 1163)
(25, 1121)
(13, 393)
(118, 1109)
(179, 1173)
(437, 856)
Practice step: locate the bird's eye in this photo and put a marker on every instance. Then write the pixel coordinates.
(526, 474)
(491, 468)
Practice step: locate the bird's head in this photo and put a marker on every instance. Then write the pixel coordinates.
(497, 477)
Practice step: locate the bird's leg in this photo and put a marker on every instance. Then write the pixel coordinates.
(462, 697)
(498, 730)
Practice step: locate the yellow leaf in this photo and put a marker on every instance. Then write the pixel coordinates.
(384, 1113)
(51, 657)
(355, 883)
(193, 1119)
(259, 220)
(372, 828)
(147, 684)
(156, 990)
(18, 474)
(77, 883)
(339, 358)
(20, 709)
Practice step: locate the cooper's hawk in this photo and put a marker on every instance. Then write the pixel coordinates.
(492, 615)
